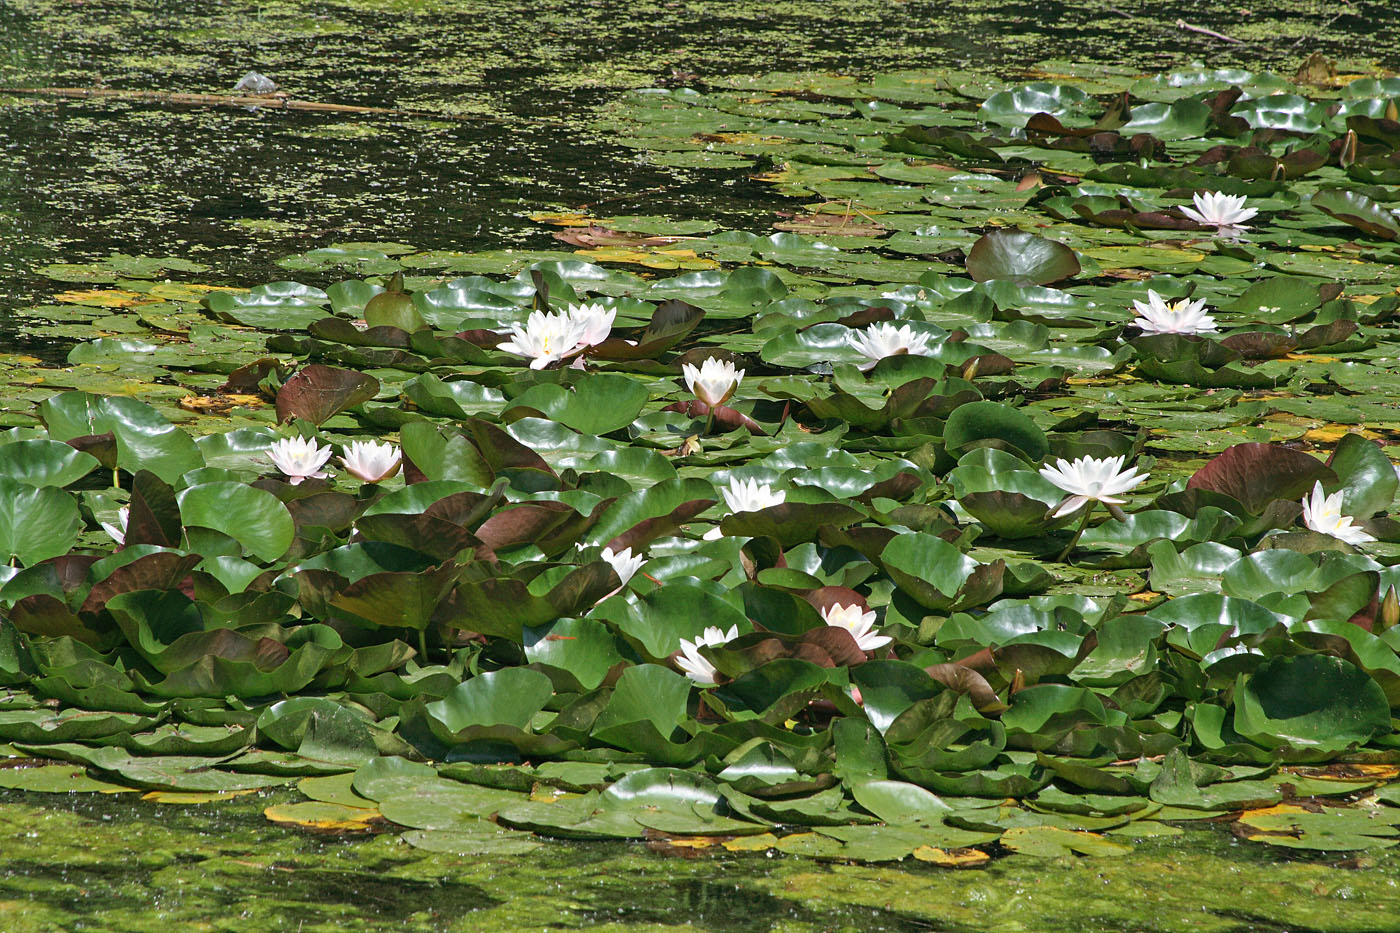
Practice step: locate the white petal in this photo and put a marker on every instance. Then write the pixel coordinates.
(1071, 504)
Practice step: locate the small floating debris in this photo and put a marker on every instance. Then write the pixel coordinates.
(255, 83)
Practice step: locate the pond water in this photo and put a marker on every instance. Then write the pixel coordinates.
(506, 95)
(508, 92)
(100, 862)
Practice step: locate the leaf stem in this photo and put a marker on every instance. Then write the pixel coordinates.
(1084, 523)
(423, 645)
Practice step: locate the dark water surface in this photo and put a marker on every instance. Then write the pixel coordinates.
(238, 190)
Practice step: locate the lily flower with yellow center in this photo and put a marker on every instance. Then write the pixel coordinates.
(544, 338)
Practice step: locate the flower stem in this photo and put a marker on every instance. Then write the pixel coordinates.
(1088, 510)
(710, 421)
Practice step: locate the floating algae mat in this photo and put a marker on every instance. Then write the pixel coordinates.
(219, 864)
(1020, 502)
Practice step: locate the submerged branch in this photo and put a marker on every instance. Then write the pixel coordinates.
(269, 102)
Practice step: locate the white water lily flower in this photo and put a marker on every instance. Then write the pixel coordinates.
(751, 495)
(595, 322)
(1225, 212)
(695, 665)
(747, 496)
(714, 381)
(884, 339)
(117, 532)
(300, 458)
(1090, 479)
(623, 563)
(858, 623)
(1159, 316)
(371, 462)
(1324, 514)
(545, 338)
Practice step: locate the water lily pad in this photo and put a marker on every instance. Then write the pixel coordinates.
(36, 523)
(251, 516)
(1021, 258)
(318, 392)
(1310, 703)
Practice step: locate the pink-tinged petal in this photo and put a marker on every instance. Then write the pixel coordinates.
(1070, 505)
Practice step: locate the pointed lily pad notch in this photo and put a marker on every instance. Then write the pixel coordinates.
(318, 392)
(1021, 258)
(393, 307)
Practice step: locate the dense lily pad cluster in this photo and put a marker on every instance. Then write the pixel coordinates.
(1020, 466)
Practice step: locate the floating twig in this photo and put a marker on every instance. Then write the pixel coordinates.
(660, 189)
(1182, 24)
(268, 102)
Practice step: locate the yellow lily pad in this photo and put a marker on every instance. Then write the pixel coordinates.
(951, 858)
(759, 843)
(182, 797)
(1265, 817)
(570, 219)
(186, 291)
(104, 298)
(327, 817)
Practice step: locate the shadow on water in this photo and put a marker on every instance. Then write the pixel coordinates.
(725, 906)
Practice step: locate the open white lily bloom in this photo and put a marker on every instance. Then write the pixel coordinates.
(695, 665)
(1225, 212)
(747, 496)
(1324, 514)
(751, 495)
(544, 338)
(884, 339)
(300, 458)
(595, 322)
(624, 563)
(1159, 316)
(858, 623)
(371, 462)
(1090, 479)
(117, 532)
(714, 381)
